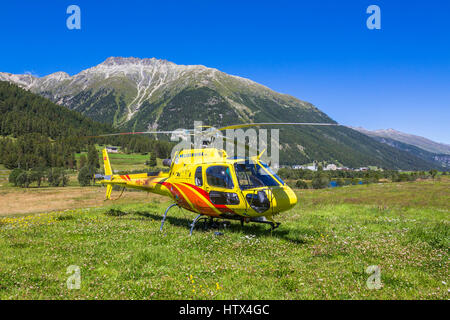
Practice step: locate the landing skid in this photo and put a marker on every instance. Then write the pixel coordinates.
(273, 224)
(211, 223)
(197, 218)
(165, 215)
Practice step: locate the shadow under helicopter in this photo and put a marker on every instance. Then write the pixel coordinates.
(224, 226)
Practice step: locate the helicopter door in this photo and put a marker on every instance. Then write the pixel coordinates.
(259, 200)
(256, 193)
(220, 185)
(199, 182)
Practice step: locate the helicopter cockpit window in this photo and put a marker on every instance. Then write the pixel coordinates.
(271, 172)
(252, 175)
(219, 176)
(198, 177)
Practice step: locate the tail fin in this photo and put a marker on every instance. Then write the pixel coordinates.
(106, 163)
(108, 172)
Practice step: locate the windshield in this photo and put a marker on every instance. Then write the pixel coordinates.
(272, 173)
(252, 175)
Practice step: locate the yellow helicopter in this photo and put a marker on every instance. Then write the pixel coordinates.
(208, 182)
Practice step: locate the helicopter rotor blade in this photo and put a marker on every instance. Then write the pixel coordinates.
(211, 131)
(246, 125)
(216, 132)
(184, 132)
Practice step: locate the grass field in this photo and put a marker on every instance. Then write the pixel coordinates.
(320, 251)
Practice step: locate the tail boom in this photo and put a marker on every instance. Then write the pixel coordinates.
(148, 181)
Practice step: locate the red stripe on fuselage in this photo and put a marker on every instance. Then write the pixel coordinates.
(192, 196)
(179, 198)
(222, 208)
(199, 202)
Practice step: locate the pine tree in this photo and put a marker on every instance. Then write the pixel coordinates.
(152, 162)
(82, 161)
(85, 176)
(93, 158)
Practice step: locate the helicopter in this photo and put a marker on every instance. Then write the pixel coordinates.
(208, 182)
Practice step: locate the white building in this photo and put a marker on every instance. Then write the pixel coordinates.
(112, 149)
(331, 166)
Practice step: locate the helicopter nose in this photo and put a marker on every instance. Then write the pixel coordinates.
(292, 197)
(285, 199)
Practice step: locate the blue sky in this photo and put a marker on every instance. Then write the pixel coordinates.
(319, 51)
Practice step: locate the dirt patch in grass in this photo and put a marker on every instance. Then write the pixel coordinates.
(35, 200)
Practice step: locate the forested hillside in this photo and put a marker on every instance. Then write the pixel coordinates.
(436, 158)
(23, 112)
(35, 132)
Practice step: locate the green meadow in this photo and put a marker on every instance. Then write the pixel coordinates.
(321, 251)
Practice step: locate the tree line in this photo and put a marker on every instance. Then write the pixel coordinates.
(308, 179)
(55, 177)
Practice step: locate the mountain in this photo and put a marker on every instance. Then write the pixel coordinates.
(416, 147)
(410, 139)
(143, 93)
(140, 94)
